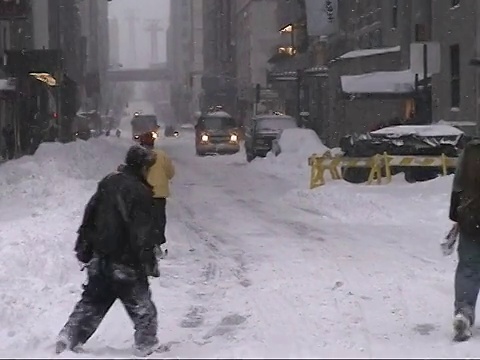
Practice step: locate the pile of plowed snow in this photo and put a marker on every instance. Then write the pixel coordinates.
(296, 145)
(42, 201)
(398, 203)
(55, 168)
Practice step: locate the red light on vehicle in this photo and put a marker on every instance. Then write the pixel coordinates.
(55, 115)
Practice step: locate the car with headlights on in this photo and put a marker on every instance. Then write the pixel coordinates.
(216, 132)
(144, 123)
(261, 132)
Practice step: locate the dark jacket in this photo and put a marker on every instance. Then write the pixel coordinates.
(456, 191)
(117, 222)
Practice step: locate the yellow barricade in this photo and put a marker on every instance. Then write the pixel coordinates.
(443, 162)
(377, 164)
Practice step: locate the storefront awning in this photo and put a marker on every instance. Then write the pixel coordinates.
(381, 82)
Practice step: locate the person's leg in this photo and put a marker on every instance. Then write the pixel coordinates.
(137, 300)
(467, 285)
(160, 218)
(97, 298)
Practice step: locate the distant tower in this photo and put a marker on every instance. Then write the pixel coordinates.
(154, 28)
(132, 19)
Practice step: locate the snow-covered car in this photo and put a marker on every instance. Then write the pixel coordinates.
(261, 132)
(291, 140)
(426, 140)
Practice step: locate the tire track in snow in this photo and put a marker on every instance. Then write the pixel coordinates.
(285, 300)
(384, 276)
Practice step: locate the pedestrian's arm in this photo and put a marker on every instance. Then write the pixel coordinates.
(83, 248)
(454, 203)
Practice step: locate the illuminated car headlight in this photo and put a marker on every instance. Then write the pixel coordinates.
(136, 137)
(233, 138)
(154, 135)
(204, 138)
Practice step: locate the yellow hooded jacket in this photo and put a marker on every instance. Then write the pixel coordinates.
(160, 174)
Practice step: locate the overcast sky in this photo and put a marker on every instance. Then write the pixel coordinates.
(144, 10)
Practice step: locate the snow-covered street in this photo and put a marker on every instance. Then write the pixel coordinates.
(258, 265)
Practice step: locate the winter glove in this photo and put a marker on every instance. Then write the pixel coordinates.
(152, 269)
(150, 264)
(448, 244)
(83, 249)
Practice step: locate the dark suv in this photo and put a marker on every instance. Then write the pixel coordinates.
(262, 130)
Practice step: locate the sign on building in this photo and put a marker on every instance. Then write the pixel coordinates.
(14, 9)
(321, 17)
(417, 53)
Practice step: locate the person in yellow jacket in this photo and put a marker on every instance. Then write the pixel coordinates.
(159, 177)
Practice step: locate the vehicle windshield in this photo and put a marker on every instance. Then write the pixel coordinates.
(144, 123)
(218, 123)
(273, 124)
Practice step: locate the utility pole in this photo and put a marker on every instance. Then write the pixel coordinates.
(154, 28)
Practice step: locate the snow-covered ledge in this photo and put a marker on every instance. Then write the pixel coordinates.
(381, 82)
(369, 52)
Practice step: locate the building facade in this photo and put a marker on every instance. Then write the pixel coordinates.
(56, 37)
(219, 44)
(351, 47)
(455, 89)
(257, 37)
(197, 64)
(180, 58)
(114, 42)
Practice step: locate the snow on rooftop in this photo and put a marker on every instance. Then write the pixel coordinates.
(218, 114)
(421, 130)
(369, 52)
(392, 82)
(273, 116)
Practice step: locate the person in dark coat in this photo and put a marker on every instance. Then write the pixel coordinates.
(116, 242)
(465, 212)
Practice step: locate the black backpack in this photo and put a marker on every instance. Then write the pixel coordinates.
(469, 214)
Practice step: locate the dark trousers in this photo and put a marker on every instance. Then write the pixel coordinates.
(106, 283)
(160, 211)
(467, 276)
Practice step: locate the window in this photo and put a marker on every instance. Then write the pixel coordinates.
(395, 14)
(455, 76)
(455, 3)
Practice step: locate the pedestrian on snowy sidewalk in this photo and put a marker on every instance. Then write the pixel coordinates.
(115, 241)
(465, 211)
(159, 177)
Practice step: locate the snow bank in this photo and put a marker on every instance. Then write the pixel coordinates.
(56, 168)
(297, 145)
(398, 203)
(42, 201)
